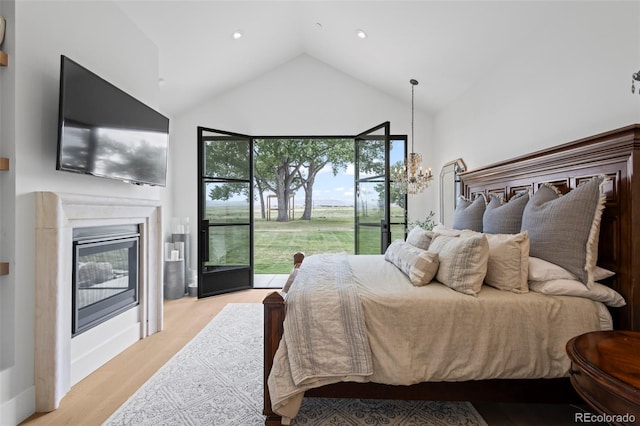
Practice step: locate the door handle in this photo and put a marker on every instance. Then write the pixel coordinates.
(205, 241)
(385, 236)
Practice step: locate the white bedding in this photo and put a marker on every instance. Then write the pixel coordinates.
(434, 333)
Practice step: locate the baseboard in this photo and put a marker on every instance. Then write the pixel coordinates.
(19, 408)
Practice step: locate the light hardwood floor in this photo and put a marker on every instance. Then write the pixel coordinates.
(91, 401)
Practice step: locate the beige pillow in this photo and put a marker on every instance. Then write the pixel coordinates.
(417, 264)
(463, 262)
(508, 265)
(445, 230)
(420, 238)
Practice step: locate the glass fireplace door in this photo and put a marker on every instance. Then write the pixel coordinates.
(105, 276)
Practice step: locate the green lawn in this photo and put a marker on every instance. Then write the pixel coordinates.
(329, 231)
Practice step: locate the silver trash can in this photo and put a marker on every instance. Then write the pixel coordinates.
(174, 286)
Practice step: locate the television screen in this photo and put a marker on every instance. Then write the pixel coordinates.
(103, 131)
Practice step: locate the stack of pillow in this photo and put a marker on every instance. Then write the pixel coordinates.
(546, 242)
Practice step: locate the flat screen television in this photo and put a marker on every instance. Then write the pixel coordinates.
(103, 131)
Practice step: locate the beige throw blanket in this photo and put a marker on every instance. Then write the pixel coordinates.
(324, 333)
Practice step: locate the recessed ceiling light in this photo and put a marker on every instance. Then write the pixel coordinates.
(161, 81)
(237, 35)
(361, 34)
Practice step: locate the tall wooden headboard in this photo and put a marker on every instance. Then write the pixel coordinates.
(615, 154)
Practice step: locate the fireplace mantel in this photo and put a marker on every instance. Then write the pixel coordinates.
(57, 214)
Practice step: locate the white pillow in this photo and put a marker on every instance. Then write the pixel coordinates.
(508, 265)
(541, 270)
(600, 274)
(463, 262)
(417, 264)
(420, 238)
(568, 287)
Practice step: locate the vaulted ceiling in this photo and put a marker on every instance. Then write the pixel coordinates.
(446, 45)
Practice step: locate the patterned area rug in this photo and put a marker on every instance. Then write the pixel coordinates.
(216, 379)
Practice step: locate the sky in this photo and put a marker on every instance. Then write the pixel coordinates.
(328, 187)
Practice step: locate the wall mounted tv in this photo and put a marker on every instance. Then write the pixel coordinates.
(103, 131)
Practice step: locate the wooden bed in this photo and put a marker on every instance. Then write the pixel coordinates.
(615, 154)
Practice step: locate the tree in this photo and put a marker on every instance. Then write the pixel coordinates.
(395, 196)
(316, 155)
(276, 166)
(227, 157)
(371, 154)
(371, 157)
(283, 166)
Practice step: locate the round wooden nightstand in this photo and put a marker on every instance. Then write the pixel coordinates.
(605, 371)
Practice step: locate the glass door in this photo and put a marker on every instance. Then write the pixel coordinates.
(225, 211)
(397, 199)
(372, 190)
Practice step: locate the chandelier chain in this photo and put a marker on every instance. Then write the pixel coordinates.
(414, 83)
(410, 179)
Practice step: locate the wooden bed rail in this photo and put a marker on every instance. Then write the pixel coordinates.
(274, 312)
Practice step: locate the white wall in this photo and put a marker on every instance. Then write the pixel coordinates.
(304, 97)
(7, 217)
(100, 37)
(572, 80)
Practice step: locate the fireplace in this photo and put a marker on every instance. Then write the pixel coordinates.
(62, 360)
(105, 274)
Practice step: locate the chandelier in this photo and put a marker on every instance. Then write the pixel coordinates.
(411, 179)
(635, 77)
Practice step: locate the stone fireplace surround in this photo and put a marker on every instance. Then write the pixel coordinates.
(61, 361)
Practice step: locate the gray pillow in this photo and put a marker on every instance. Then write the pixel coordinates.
(420, 238)
(504, 218)
(565, 229)
(417, 264)
(468, 215)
